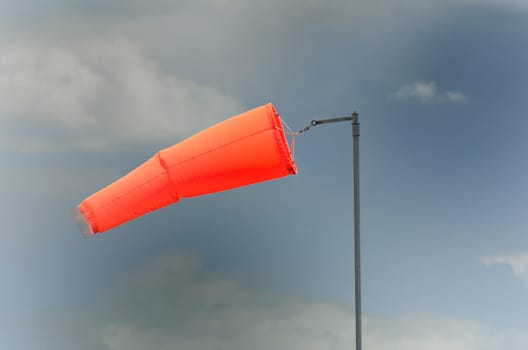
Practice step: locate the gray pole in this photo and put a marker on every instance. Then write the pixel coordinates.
(357, 256)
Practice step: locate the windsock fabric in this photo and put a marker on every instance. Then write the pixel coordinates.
(243, 150)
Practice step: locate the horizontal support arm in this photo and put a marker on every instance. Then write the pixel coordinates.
(331, 120)
(353, 118)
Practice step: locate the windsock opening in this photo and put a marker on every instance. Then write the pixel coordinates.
(282, 142)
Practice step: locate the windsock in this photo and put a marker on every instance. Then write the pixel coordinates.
(245, 149)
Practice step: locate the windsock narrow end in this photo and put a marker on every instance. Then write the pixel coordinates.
(81, 221)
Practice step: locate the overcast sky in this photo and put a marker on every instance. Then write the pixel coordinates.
(91, 89)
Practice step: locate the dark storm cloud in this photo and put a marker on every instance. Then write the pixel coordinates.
(171, 302)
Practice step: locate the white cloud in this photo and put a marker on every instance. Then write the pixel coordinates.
(428, 92)
(420, 90)
(455, 96)
(517, 262)
(97, 93)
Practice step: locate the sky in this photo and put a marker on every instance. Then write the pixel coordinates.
(90, 90)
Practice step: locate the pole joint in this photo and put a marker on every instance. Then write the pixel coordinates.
(355, 124)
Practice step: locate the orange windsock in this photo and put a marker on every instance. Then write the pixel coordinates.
(245, 149)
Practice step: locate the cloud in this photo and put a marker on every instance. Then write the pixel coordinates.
(517, 262)
(175, 305)
(172, 301)
(428, 92)
(98, 93)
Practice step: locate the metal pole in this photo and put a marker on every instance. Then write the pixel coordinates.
(357, 256)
